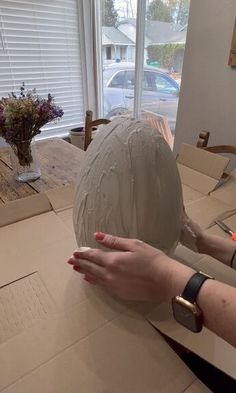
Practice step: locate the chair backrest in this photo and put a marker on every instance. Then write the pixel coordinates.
(161, 124)
(203, 142)
(89, 125)
(203, 139)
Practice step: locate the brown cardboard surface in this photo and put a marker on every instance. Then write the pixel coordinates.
(23, 241)
(61, 198)
(200, 171)
(206, 264)
(22, 304)
(58, 334)
(190, 195)
(66, 217)
(122, 356)
(57, 199)
(206, 210)
(202, 161)
(216, 230)
(24, 208)
(205, 344)
(197, 387)
(196, 180)
(227, 193)
(187, 256)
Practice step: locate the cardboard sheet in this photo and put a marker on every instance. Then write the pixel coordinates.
(24, 208)
(23, 241)
(216, 230)
(205, 344)
(197, 387)
(202, 161)
(206, 264)
(190, 195)
(61, 198)
(60, 335)
(206, 210)
(227, 193)
(122, 356)
(66, 217)
(199, 169)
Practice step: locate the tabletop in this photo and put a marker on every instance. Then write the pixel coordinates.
(59, 162)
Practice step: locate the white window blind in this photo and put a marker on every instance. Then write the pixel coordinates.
(40, 45)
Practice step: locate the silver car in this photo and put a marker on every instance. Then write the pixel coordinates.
(160, 92)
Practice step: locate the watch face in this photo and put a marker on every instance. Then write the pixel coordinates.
(187, 314)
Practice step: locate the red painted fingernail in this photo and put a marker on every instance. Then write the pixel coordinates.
(76, 268)
(70, 262)
(99, 235)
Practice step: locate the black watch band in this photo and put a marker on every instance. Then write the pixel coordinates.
(193, 286)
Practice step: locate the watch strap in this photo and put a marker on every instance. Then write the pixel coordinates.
(193, 286)
(233, 259)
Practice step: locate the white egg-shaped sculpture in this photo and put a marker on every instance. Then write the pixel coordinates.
(129, 186)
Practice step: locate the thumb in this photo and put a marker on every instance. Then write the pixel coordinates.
(114, 242)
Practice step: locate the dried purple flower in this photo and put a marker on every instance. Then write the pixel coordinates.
(22, 116)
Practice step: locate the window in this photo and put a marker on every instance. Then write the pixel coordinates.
(163, 85)
(40, 46)
(118, 80)
(108, 53)
(130, 79)
(156, 56)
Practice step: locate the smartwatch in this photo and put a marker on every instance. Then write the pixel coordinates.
(185, 308)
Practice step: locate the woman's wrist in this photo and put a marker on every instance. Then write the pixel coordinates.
(180, 275)
(174, 276)
(216, 246)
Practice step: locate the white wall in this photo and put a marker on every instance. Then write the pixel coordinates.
(208, 95)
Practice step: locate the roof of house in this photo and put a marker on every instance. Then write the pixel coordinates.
(179, 37)
(113, 36)
(160, 32)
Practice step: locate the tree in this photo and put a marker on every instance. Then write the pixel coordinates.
(127, 9)
(109, 13)
(183, 11)
(157, 10)
(179, 10)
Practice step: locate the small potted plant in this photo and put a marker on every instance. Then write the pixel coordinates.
(77, 136)
(21, 118)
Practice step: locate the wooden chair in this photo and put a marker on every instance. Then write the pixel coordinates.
(203, 139)
(89, 125)
(203, 142)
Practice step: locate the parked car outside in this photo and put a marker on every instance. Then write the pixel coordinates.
(160, 92)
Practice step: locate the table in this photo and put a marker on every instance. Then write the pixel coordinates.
(59, 162)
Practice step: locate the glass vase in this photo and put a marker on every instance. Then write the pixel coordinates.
(24, 163)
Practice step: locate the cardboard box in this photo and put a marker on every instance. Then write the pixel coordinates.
(59, 334)
(205, 344)
(204, 190)
(206, 198)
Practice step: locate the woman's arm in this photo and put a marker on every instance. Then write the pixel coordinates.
(134, 270)
(216, 246)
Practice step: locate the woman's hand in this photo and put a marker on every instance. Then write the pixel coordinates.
(133, 270)
(194, 237)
